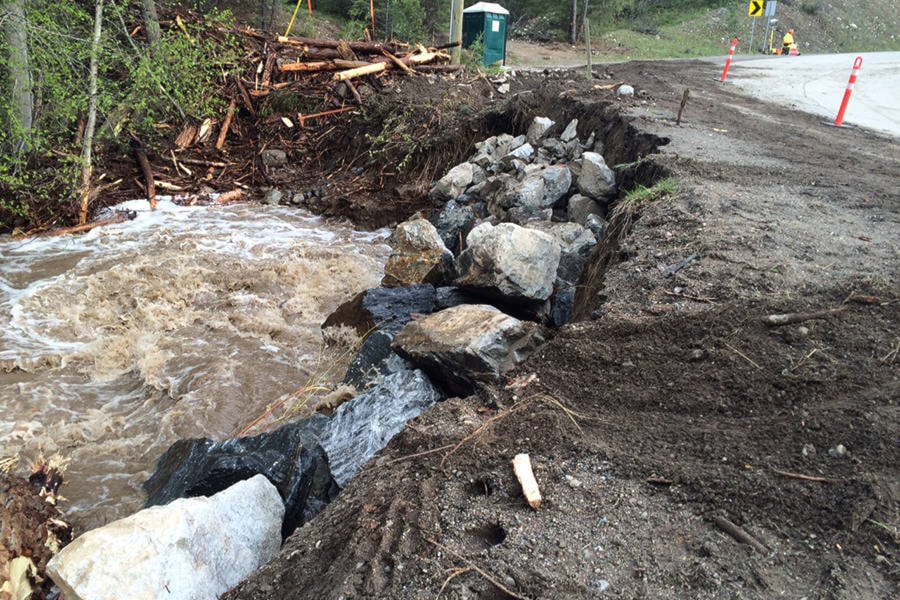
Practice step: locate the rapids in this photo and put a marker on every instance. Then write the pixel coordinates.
(183, 322)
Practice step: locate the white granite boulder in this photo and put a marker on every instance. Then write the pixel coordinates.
(192, 548)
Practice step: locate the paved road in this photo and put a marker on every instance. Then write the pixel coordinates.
(816, 84)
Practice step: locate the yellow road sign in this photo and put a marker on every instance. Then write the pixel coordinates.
(756, 8)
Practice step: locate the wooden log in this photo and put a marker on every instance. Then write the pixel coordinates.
(370, 69)
(271, 60)
(140, 155)
(522, 469)
(227, 197)
(352, 64)
(420, 58)
(398, 62)
(369, 47)
(220, 143)
(308, 66)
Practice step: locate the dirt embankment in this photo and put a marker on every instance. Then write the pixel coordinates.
(672, 410)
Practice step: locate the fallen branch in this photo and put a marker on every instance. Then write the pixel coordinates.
(227, 197)
(804, 477)
(744, 356)
(484, 426)
(777, 320)
(224, 131)
(303, 118)
(118, 218)
(740, 535)
(397, 62)
(418, 454)
(689, 297)
(475, 567)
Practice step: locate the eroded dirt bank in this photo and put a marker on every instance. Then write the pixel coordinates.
(682, 408)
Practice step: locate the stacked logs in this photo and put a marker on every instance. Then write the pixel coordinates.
(325, 74)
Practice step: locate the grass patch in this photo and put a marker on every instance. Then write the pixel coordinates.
(641, 195)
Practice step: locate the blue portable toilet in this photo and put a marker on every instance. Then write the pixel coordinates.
(489, 21)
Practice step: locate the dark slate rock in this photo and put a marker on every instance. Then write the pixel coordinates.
(290, 457)
(454, 223)
(386, 309)
(563, 306)
(371, 360)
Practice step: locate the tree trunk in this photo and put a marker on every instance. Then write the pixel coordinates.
(151, 22)
(12, 18)
(573, 37)
(86, 165)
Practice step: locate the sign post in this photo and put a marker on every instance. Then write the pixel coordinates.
(755, 10)
(770, 23)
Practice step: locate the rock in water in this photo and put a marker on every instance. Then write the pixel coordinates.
(364, 425)
(195, 548)
(289, 457)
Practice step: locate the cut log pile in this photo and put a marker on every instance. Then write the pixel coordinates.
(327, 77)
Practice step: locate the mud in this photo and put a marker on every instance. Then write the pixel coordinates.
(671, 405)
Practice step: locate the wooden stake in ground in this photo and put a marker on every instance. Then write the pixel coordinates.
(684, 99)
(522, 468)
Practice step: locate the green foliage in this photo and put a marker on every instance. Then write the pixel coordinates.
(140, 92)
(185, 70)
(397, 19)
(395, 143)
(473, 55)
(811, 8)
(664, 188)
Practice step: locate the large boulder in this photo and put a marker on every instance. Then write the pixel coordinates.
(418, 255)
(509, 261)
(455, 182)
(557, 181)
(579, 208)
(464, 347)
(386, 309)
(596, 180)
(576, 244)
(538, 130)
(289, 457)
(194, 548)
(363, 426)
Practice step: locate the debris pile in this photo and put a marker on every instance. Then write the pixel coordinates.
(283, 84)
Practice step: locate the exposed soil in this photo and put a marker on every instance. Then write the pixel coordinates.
(681, 405)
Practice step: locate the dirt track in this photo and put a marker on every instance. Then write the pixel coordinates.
(685, 407)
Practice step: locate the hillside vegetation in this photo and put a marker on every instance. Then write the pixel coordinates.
(147, 90)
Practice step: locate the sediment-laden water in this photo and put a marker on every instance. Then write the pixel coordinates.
(184, 322)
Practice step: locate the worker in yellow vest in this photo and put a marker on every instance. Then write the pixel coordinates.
(788, 44)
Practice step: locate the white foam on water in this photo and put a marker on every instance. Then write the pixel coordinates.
(183, 322)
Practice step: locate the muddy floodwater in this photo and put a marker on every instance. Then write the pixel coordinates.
(183, 322)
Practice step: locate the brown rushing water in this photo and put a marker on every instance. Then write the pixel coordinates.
(185, 322)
